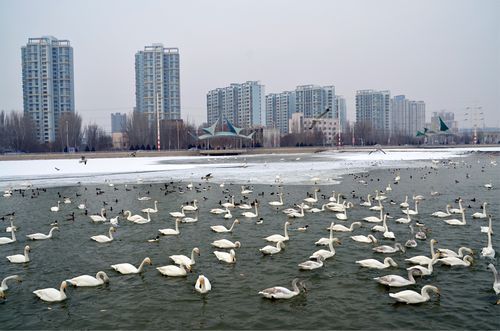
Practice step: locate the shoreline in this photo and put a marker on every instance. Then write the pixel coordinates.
(255, 151)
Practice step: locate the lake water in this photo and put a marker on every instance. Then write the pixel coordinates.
(341, 295)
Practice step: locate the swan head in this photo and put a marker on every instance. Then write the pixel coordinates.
(434, 241)
(148, 261)
(27, 249)
(237, 244)
(102, 275)
(469, 258)
(201, 280)
(336, 241)
(281, 244)
(196, 250)
(236, 221)
(112, 229)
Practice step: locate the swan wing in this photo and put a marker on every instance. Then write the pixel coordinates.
(125, 268)
(49, 294)
(407, 297)
(181, 259)
(100, 238)
(18, 258)
(85, 280)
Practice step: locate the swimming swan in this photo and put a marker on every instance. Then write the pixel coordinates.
(222, 228)
(174, 271)
(98, 218)
(481, 215)
(202, 284)
(171, 232)
(51, 294)
(365, 239)
(396, 280)
(411, 297)
(127, 268)
(279, 292)
(277, 237)
(41, 236)
(103, 238)
(488, 251)
(151, 210)
(454, 221)
(6, 240)
(311, 265)
(4, 287)
(448, 252)
(224, 243)
(183, 259)
(271, 250)
(20, 258)
(421, 259)
(342, 228)
(375, 264)
(226, 257)
(326, 254)
(496, 282)
(88, 281)
(455, 261)
(388, 249)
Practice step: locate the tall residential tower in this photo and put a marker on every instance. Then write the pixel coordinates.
(374, 107)
(48, 88)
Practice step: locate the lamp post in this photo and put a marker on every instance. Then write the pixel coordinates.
(67, 137)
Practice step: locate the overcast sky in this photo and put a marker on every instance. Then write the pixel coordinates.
(446, 53)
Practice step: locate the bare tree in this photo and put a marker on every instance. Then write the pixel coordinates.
(138, 130)
(70, 131)
(97, 139)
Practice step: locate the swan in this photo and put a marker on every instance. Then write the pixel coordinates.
(388, 249)
(312, 200)
(377, 208)
(410, 211)
(423, 271)
(326, 241)
(279, 292)
(396, 280)
(193, 207)
(55, 208)
(20, 258)
(455, 261)
(379, 197)
(11, 227)
(224, 243)
(142, 220)
(81, 206)
(191, 219)
(459, 210)
(222, 228)
(226, 257)
(418, 197)
(4, 287)
(67, 200)
(151, 210)
(404, 220)
(174, 271)
(388, 188)
(310, 265)
(171, 232)
(217, 211)
(295, 214)
(383, 227)
(496, 283)
(375, 219)
(342, 216)
(228, 214)
(277, 237)
(326, 254)
(249, 214)
(365, 239)
(488, 251)
(342, 228)
(202, 285)
(271, 250)
(229, 204)
(114, 220)
(317, 210)
(98, 218)
(103, 238)
(6, 240)
(442, 213)
(177, 214)
(375, 264)
(454, 221)
(368, 202)
(41, 236)
(87, 281)
(127, 268)
(488, 228)
(183, 259)
(397, 179)
(387, 234)
(245, 191)
(144, 198)
(277, 203)
(410, 297)
(405, 203)
(481, 215)
(421, 259)
(449, 253)
(52, 294)
(245, 206)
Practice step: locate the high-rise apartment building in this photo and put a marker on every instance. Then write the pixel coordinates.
(118, 122)
(279, 109)
(48, 88)
(157, 82)
(408, 116)
(374, 107)
(313, 100)
(241, 104)
(340, 111)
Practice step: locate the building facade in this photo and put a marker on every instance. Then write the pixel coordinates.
(279, 109)
(341, 112)
(313, 100)
(374, 107)
(118, 122)
(48, 84)
(242, 104)
(157, 82)
(408, 116)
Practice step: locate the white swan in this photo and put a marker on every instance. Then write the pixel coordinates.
(217, 211)
(423, 271)
(98, 218)
(151, 210)
(378, 207)
(245, 191)
(488, 228)
(496, 282)
(228, 214)
(226, 257)
(4, 287)
(222, 228)
(245, 206)
(396, 280)
(455, 261)
(375, 219)
(271, 250)
(171, 232)
(442, 213)
(277, 237)
(88, 281)
(311, 265)
(279, 292)
(103, 238)
(375, 264)
(326, 254)
(6, 240)
(388, 249)
(454, 221)
(411, 297)
(249, 214)
(405, 203)
(42, 236)
(127, 268)
(177, 214)
(142, 220)
(295, 214)
(114, 220)
(277, 203)
(229, 204)
(20, 258)
(365, 239)
(342, 228)
(488, 251)
(412, 212)
(183, 259)
(11, 227)
(325, 241)
(202, 285)
(192, 207)
(404, 220)
(342, 216)
(55, 208)
(368, 202)
(174, 271)
(191, 219)
(422, 259)
(459, 210)
(224, 243)
(52, 294)
(381, 228)
(448, 252)
(312, 200)
(379, 196)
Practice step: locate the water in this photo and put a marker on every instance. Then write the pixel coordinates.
(337, 293)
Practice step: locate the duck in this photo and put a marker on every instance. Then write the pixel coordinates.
(103, 238)
(154, 240)
(223, 229)
(224, 243)
(226, 257)
(20, 258)
(375, 264)
(396, 280)
(87, 281)
(388, 249)
(171, 232)
(455, 221)
(4, 287)
(277, 237)
(174, 271)
(481, 215)
(488, 251)
(99, 218)
(183, 259)
(455, 261)
(311, 265)
(412, 297)
(326, 254)
(442, 213)
(52, 294)
(342, 228)
(449, 253)
(7, 240)
(365, 239)
(42, 236)
(151, 210)
(422, 259)
(202, 285)
(271, 250)
(127, 268)
(496, 282)
(279, 292)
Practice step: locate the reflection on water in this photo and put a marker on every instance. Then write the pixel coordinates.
(337, 294)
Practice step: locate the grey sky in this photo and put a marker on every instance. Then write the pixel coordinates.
(446, 53)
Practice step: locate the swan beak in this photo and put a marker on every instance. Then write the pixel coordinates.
(2, 296)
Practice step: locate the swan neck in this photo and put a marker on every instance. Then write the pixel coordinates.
(4, 285)
(330, 245)
(141, 266)
(111, 233)
(13, 235)
(192, 256)
(432, 248)
(410, 276)
(294, 285)
(286, 227)
(495, 273)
